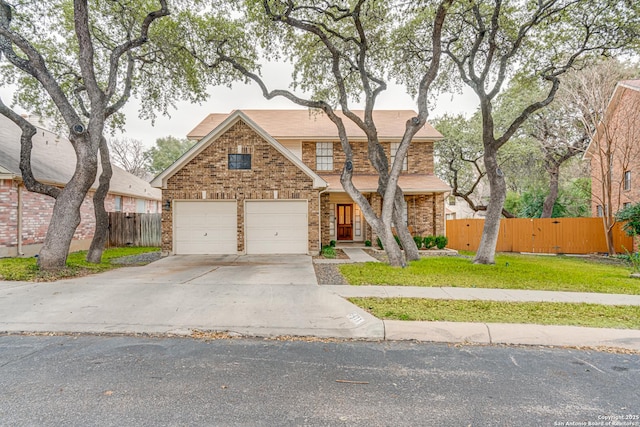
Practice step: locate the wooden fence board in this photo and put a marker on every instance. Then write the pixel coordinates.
(539, 235)
(134, 229)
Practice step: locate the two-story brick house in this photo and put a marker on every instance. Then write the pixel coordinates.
(268, 181)
(614, 152)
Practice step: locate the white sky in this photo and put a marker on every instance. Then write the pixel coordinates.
(223, 100)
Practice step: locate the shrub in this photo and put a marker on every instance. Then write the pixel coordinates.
(332, 243)
(633, 259)
(429, 242)
(441, 242)
(367, 243)
(418, 240)
(379, 242)
(397, 241)
(328, 252)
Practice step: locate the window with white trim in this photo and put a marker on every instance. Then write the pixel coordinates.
(599, 212)
(118, 204)
(395, 146)
(627, 180)
(324, 156)
(332, 219)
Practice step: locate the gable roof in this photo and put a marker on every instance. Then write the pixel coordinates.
(53, 161)
(621, 87)
(160, 181)
(315, 125)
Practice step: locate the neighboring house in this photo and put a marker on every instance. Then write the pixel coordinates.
(25, 216)
(268, 181)
(614, 152)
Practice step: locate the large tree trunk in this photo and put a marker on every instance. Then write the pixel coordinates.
(498, 190)
(408, 244)
(102, 218)
(550, 200)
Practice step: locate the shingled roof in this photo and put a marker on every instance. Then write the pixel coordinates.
(315, 125)
(53, 162)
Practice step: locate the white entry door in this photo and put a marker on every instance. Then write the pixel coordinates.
(205, 227)
(277, 227)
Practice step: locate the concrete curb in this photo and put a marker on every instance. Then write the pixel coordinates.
(504, 333)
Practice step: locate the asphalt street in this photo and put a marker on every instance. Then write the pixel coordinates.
(127, 381)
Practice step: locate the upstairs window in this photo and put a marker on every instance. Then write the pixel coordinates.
(394, 149)
(118, 204)
(627, 180)
(451, 200)
(324, 156)
(599, 211)
(239, 161)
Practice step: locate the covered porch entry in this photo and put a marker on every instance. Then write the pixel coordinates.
(346, 222)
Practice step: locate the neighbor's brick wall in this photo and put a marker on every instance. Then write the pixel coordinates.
(270, 171)
(420, 157)
(8, 213)
(621, 129)
(36, 215)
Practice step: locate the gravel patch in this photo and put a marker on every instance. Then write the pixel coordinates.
(328, 274)
(144, 258)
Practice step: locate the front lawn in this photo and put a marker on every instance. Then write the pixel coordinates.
(541, 313)
(511, 271)
(26, 269)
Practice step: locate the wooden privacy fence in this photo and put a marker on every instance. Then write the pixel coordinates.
(540, 235)
(134, 229)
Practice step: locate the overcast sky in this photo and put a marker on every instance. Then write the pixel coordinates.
(223, 100)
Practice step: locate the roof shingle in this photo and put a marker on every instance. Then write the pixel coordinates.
(314, 124)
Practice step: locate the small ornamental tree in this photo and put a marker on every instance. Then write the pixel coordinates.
(631, 218)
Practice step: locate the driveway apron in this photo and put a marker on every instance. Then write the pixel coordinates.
(250, 295)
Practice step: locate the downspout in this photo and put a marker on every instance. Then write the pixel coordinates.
(19, 230)
(320, 218)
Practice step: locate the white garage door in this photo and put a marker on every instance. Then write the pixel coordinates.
(205, 227)
(277, 227)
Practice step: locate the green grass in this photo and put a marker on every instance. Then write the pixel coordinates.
(26, 269)
(545, 313)
(552, 273)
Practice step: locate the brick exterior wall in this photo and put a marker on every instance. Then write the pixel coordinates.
(270, 171)
(36, 215)
(425, 212)
(419, 157)
(618, 135)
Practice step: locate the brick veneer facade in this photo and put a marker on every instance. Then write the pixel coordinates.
(270, 172)
(419, 157)
(425, 212)
(616, 144)
(36, 215)
(207, 176)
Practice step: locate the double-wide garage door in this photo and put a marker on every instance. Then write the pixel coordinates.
(271, 227)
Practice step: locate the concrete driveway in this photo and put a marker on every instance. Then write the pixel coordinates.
(221, 270)
(250, 295)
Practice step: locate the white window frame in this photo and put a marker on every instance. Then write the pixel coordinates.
(627, 180)
(324, 156)
(117, 204)
(394, 149)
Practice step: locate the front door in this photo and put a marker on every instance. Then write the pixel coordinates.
(345, 222)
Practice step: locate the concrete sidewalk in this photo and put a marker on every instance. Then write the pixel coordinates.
(506, 295)
(262, 296)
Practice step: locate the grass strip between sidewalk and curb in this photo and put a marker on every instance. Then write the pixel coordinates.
(511, 271)
(541, 313)
(26, 269)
